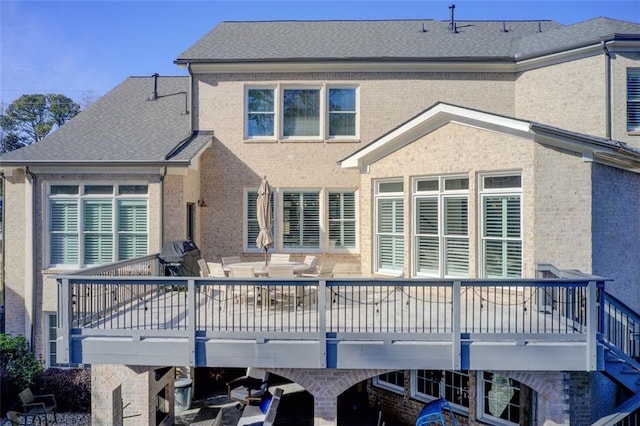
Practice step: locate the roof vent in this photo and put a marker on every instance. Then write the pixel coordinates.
(504, 27)
(154, 94)
(452, 22)
(539, 27)
(424, 29)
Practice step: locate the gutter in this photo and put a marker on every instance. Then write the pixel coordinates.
(607, 65)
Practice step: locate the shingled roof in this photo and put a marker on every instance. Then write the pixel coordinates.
(394, 40)
(123, 126)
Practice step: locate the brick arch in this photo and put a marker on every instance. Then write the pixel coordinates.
(326, 382)
(553, 402)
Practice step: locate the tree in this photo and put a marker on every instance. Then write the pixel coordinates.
(30, 118)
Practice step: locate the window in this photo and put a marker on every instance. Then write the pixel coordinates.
(389, 227)
(441, 240)
(301, 113)
(252, 227)
(301, 220)
(500, 398)
(52, 336)
(342, 112)
(633, 100)
(342, 220)
(393, 381)
(95, 224)
(501, 226)
(453, 386)
(260, 113)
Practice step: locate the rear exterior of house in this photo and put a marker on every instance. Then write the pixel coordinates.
(396, 149)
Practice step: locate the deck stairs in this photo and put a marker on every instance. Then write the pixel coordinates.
(621, 345)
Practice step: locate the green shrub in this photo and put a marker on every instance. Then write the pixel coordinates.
(71, 387)
(21, 365)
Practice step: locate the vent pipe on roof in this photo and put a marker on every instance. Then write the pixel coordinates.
(539, 27)
(452, 23)
(504, 27)
(154, 95)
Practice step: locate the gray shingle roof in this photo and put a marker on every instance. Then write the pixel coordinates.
(122, 126)
(406, 39)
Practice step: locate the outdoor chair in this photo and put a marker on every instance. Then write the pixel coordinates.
(36, 405)
(250, 387)
(242, 291)
(18, 419)
(279, 258)
(434, 412)
(312, 263)
(213, 269)
(323, 271)
(230, 260)
(282, 294)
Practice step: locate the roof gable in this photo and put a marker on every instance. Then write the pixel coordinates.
(592, 148)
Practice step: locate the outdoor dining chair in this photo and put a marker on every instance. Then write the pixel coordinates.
(241, 292)
(279, 258)
(229, 260)
(280, 293)
(312, 263)
(323, 271)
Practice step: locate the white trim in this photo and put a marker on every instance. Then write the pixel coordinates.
(430, 120)
(387, 385)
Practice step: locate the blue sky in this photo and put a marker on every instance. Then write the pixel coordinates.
(84, 48)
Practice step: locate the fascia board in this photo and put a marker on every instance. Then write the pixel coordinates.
(104, 170)
(427, 122)
(351, 66)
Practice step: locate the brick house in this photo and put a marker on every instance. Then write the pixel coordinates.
(412, 149)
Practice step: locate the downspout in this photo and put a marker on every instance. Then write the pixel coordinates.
(30, 256)
(607, 68)
(190, 90)
(3, 286)
(164, 173)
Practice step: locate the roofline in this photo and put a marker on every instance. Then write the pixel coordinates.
(591, 148)
(91, 164)
(510, 64)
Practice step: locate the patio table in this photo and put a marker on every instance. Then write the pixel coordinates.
(261, 269)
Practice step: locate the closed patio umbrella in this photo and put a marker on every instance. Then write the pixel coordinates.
(264, 240)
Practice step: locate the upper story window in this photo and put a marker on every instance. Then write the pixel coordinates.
(301, 112)
(260, 113)
(633, 100)
(501, 222)
(94, 224)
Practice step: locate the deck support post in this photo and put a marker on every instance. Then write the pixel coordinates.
(456, 350)
(592, 326)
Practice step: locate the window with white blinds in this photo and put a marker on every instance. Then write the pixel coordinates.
(251, 220)
(501, 201)
(95, 224)
(441, 224)
(342, 220)
(389, 227)
(301, 220)
(633, 99)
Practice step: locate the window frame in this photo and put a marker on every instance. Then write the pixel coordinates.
(481, 397)
(79, 199)
(281, 224)
(274, 113)
(440, 195)
(499, 192)
(52, 326)
(380, 196)
(442, 385)
(355, 112)
(633, 100)
(324, 91)
(355, 221)
(390, 386)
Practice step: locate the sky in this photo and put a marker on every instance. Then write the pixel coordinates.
(84, 48)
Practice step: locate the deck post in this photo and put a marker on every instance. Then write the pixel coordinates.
(63, 340)
(321, 301)
(456, 353)
(592, 326)
(191, 320)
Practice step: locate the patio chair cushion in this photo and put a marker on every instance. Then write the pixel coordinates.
(265, 401)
